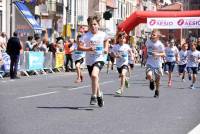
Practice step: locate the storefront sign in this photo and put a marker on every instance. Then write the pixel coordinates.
(174, 23)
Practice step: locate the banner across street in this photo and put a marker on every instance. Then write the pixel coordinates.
(174, 23)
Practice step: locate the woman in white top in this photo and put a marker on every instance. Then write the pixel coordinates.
(171, 57)
(121, 52)
(96, 46)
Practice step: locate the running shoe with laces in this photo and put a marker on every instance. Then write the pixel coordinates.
(93, 100)
(100, 100)
(126, 83)
(151, 85)
(156, 95)
(118, 92)
(192, 86)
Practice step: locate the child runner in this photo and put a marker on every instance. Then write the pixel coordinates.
(155, 52)
(171, 57)
(120, 52)
(182, 61)
(93, 42)
(78, 57)
(193, 59)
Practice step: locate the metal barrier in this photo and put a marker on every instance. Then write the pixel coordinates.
(1, 71)
(23, 63)
(34, 61)
(48, 61)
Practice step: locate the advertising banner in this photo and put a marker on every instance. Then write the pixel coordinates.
(174, 23)
(35, 60)
(59, 60)
(6, 61)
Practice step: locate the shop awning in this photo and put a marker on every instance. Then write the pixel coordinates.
(26, 13)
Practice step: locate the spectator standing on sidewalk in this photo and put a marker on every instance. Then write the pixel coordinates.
(28, 44)
(3, 42)
(36, 43)
(13, 50)
(68, 55)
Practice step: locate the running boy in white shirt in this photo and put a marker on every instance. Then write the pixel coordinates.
(121, 52)
(193, 59)
(182, 61)
(95, 43)
(78, 57)
(155, 52)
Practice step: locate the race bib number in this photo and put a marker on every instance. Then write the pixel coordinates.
(99, 49)
(78, 52)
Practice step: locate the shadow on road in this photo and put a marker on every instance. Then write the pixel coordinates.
(137, 97)
(87, 108)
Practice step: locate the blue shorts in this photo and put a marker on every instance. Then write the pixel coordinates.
(192, 70)
(169, 66)
(182, 68)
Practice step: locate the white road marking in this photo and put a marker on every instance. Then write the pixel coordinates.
(78, 88)
(36, 95)
(89, 85)
(71, 89)
(196, 130)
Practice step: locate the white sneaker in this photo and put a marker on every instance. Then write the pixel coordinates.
(192, 87)
(183, 80)
(118, 92)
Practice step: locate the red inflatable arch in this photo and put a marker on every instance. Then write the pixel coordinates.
(141, 17)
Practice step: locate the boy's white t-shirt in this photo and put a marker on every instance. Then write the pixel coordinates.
(171, 53)
(154, 47)
(97, 40)
(183, 57)
(77, 55)
(123, 51)
(192, 58)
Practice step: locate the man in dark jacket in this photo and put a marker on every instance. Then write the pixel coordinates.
(13, 50)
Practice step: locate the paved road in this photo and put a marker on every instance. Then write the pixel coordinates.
(54, 104)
